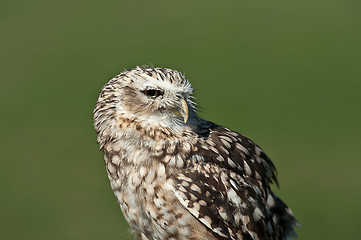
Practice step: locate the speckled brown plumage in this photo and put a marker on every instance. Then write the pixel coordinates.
(177, 176)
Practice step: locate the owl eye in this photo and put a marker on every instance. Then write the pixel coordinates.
(153, 92)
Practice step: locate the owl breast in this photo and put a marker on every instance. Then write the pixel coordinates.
(144, 192)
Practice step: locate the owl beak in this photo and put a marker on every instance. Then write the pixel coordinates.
(183, 111)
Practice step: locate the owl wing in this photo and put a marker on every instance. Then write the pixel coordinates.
(226, 187)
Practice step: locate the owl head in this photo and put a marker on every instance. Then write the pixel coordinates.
(150, 96)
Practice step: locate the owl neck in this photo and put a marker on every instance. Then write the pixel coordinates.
(137, 143)
(141, 132)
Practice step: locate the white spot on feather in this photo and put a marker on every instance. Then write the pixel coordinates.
(232, 195)
(116, 159)
(270, 200)
(257, 214)
(247, 168)
(195, 188)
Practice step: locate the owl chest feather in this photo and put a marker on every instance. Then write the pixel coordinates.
(142, 184)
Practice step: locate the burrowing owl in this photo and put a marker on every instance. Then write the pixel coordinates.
(177, 176)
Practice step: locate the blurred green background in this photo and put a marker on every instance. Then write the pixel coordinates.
(286, 74)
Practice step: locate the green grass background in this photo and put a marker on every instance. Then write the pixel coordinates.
(286, 74)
